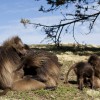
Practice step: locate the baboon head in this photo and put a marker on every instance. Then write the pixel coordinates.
(94, 60)
(16, 44)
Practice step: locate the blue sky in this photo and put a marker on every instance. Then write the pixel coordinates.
(11, 12)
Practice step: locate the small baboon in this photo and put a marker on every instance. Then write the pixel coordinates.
(42, 68)
(94, 60)
(84, 71)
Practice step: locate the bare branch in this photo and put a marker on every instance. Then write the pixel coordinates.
(74, 34)
(77, 20)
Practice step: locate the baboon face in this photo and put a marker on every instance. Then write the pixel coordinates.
(16, 44)
(94, 60)
(19, 46)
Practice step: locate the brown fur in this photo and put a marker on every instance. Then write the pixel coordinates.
(27, 83)
(96, 82)
(11, 73)
(19, 74)
(42, 68)
(94, 60)
(15, 43)
(10, 59)
(47, 54)
(83, 71)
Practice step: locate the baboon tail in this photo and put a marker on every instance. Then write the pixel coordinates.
(66, 78)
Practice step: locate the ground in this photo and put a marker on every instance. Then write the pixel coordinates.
(67, 57)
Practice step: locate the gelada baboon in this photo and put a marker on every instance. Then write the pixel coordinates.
(11, 77)
(84, 71)
(42, 68)
(94, 60)
(10, 53)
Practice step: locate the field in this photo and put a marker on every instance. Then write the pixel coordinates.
(68, 55)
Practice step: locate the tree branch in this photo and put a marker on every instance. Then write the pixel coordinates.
(77, 20)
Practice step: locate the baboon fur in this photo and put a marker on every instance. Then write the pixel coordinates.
(10, 53)
(42, 67)
(27, 83)
(47, 54)
(11, 76)
(96, 82)
(83, 71)
(94, 60)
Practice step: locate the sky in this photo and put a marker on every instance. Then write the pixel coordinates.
(11, 12)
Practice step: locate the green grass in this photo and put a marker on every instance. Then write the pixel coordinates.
(63, 92)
